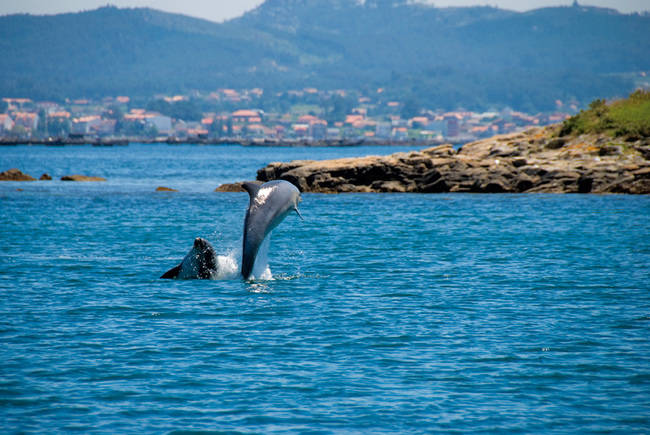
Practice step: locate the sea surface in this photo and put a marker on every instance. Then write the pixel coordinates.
(385, 313)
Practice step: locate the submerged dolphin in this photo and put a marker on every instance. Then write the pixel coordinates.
(199, 263)
(269, 204)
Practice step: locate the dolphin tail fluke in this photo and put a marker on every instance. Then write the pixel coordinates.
(172, 273)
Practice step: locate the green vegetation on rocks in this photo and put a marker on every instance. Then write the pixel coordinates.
(628, 117)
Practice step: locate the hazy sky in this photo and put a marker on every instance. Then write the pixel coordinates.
(218, 10)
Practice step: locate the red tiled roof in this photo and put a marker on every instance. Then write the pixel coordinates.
(17, 100)
(24, 115)
(351, 119)
(245, 113)
(86, 118)
(59, 115)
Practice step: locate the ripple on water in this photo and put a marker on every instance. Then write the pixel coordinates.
(383, 313)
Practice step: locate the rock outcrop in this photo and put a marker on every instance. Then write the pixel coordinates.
(234, 187)
(81, 178)
(165, 189)
(45, 177)
(532, 161)
(15, 175)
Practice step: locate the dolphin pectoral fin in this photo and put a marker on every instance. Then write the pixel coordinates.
(298, 211)
(251, 188)
(172, 273)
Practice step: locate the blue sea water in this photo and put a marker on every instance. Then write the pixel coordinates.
(386, 313)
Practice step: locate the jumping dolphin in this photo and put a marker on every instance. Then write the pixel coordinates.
(199, 263)
(269, 204)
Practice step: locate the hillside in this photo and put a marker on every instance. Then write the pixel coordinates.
(112, 51)
(629, 118)
(473, 57)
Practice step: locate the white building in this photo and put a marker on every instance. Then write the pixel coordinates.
(6, 123)
(85, 124)
(162, 123)
(383, 130)
(334, 133)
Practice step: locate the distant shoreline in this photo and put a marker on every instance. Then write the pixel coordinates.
(241, 142)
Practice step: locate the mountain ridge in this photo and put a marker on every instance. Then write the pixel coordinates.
(449, 57)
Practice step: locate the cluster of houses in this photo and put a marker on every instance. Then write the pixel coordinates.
(119, 117)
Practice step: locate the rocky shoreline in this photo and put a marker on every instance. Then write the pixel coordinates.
(17, 175)
(536, 160)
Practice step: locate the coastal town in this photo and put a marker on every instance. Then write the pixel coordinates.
(249, 116)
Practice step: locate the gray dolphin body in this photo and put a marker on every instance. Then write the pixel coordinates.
(199, 263)
(269, 204)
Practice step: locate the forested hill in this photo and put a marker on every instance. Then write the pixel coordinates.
(443, 57)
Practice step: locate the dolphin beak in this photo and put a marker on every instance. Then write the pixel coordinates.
(298, 211)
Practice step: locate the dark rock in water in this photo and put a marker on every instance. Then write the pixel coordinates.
(15, 175)
(45, 177)
(165, 189)
(234, 187)
(531, 161)
(81, 178)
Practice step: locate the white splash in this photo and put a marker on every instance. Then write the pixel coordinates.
(229, 266)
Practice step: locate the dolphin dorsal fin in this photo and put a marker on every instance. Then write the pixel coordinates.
(251, 188)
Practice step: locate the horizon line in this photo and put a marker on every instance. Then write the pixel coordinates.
(419, 3)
